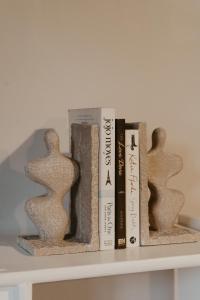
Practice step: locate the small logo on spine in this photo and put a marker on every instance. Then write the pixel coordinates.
(108, 181)
(133, 144)
(121, 242)
(132, 240)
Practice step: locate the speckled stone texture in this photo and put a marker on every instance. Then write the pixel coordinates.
(85, 146)
(159, 210)
(57, 173)
(164, 203)
(177, 234)
(84, 221)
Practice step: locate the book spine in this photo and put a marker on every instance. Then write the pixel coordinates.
(107, 181)
(132, 187)
(120, 214)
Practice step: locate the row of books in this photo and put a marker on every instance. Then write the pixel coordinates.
(118, 176)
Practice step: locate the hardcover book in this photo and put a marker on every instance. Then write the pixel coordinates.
(120, 214)
(105, 118)
(132, 186)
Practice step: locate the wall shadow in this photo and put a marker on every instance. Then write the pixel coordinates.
(16, 188)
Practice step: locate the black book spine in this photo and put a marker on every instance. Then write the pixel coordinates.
(120, 205)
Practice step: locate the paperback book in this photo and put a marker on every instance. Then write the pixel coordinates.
(132, 186)
(120, 213)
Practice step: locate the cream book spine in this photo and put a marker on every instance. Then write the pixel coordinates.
(132, 188)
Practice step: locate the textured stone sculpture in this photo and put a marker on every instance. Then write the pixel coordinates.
(58, 173)
(84, 211)
(164, 204)
(159, 205)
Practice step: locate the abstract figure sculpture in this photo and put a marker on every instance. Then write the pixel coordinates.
(160, 205)
(165, 203)
(58, 173)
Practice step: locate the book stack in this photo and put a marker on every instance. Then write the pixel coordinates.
(118, 176)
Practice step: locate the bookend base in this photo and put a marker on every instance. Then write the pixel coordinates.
(35, 246)
(177, 235)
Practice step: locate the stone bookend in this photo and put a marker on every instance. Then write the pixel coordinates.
(84, 194)
(160, 205)
(58, 173)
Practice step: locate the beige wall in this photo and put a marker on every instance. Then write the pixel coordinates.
(141, 57)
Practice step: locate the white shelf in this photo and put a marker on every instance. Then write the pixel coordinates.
(17, 267)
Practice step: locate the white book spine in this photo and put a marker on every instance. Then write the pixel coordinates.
(107, 181)
(105, 118)
(132, 188)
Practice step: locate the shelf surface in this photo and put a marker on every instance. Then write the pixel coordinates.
(18, 267)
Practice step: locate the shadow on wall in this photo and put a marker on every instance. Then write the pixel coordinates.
(16, 188)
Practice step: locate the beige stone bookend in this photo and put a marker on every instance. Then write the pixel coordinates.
(162, 205)
(84, 194)
(58, 173)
